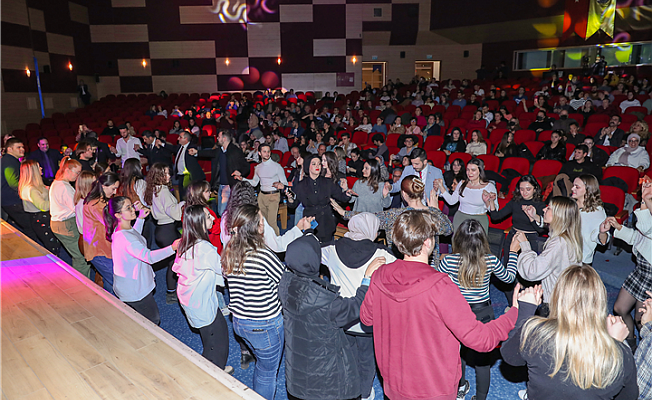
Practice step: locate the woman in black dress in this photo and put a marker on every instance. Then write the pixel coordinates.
(314, 192)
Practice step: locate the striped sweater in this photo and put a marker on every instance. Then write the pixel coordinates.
(254, 294)
(450, 265)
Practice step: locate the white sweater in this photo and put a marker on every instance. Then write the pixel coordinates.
(590, 231)
(641, 237)
(471, 203)
(62, 201)
(165, 208)
(133, 276)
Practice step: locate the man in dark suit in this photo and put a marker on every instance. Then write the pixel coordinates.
(10, 199)
(612, 135)
(47, 158)
(101, 150)
(155, 150)
(226, 158)
(186, 167)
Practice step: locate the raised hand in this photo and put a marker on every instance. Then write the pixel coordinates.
(614, 223)
(374, 265)
(350, 192)
(617, 328)
(605, 226)
(531, 295)
(304, 223)
(530, 211)
(515, 246)
(433, 199)
(486, 197)
(337, 207)
(386, 189)
(237, 175)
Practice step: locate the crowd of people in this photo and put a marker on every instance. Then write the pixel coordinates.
(415, 262)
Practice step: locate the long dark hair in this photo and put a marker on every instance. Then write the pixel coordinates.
(155, 177)
(503, 145)
(374, 174)
(483, 177)
(241, 194)
(245, 239)
(536, 196)
(331, 162)
(194, 229)
(96, 193)
(113, 207)
(195, 194)
(130, 173)
(470, 241)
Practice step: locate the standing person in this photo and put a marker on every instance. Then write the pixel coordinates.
(155, 149)
(36, 203)
(469, 194)
(410, 293)
(167, 213)
(133, 280)
(562, 249)
(586, 192)
(253, 273)
(10, 198)
(47, 158)
(226, 158)
(572, 354)
(83, 186)
(470, 267)
(428, 174)
(319, 360)
(127, 146)
(84, 154)
(62, 213)
(635, 288)
(97, 248)
(372, 193)
(198, 266)
(347, 261)
(84, 94)
(314, 192)
(186, 168)
(271, 177)
(132, 182)
(199, 193)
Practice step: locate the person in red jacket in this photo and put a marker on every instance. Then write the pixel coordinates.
(420, 318)
(199, 193)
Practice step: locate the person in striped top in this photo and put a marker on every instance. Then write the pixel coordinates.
(470, 267)
(253, 273)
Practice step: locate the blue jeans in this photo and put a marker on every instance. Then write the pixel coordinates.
(266, 338)
(104, 266)
(221, 206)
(298, 214)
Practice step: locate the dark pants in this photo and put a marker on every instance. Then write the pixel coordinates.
(364, 348)
(165, 236)
(484, 313)
(147, 308)
(215, 340)
(40, 222)
(508, 288)
(22, 219)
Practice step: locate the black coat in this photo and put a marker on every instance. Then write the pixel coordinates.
(9, 180)
(315, 196)
(54, 156)
(548, 153)
(192, 165)
(319, 361)
(155, 154)
(103, 154)
(235, 161)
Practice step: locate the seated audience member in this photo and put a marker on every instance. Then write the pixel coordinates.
(36, 203)
(199, 268)
(631, 155)
(470, 267)
(280, 143)
(563, 123)
(405, 150)
(477, 121)
(413, 128)
(297, 131)
(608, 108)
(460, 100)
(636, 288)
(587, 110)
(176, 128)
(611, 135)
(554, 149)
(562, 105)
(578, 100)
(562, 249)
(520, 96)
(641, 129)
(497, 123)
(396, 127)
(595, 366)
(356, 164)
(365, 125)
(454, 142)
(631, 101)
(598, 156)
(347, 261)
(586, 192)
(477, 146)
(506, 148)
(648, 103)
(542, 123)
(573, 136)
(428, 299)
(47, 158)
(346, 144)
(380, 126)
(110, 129)
(578, 165)
(320, 361)
(133, 280)
(433, 126)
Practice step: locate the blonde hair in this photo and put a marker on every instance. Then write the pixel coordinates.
(567, 224)
(66, 163)
(83, 185)
(576, 331)
(30, 176)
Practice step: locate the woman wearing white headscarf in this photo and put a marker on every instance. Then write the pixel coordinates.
(631, 155)
(347, 261)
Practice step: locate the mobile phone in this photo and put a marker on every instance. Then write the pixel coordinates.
(313, 224)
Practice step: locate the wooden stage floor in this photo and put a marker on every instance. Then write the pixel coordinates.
(63, 337)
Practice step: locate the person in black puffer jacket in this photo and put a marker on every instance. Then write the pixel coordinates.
(554, 149)
(319, 361)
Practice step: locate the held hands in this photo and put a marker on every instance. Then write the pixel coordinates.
(136, 147)
(439, 184)
(337, 207)
(278, 185)
(531, 295)
(605, 226)
(612, 221)
(433, 199)
(175, 244)
(143, 211)
(374, 265)
(530, 211)
(516, 242)
(113, 150)
(237, 175)
(617, 328)
(488, 198)
(304, 223)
